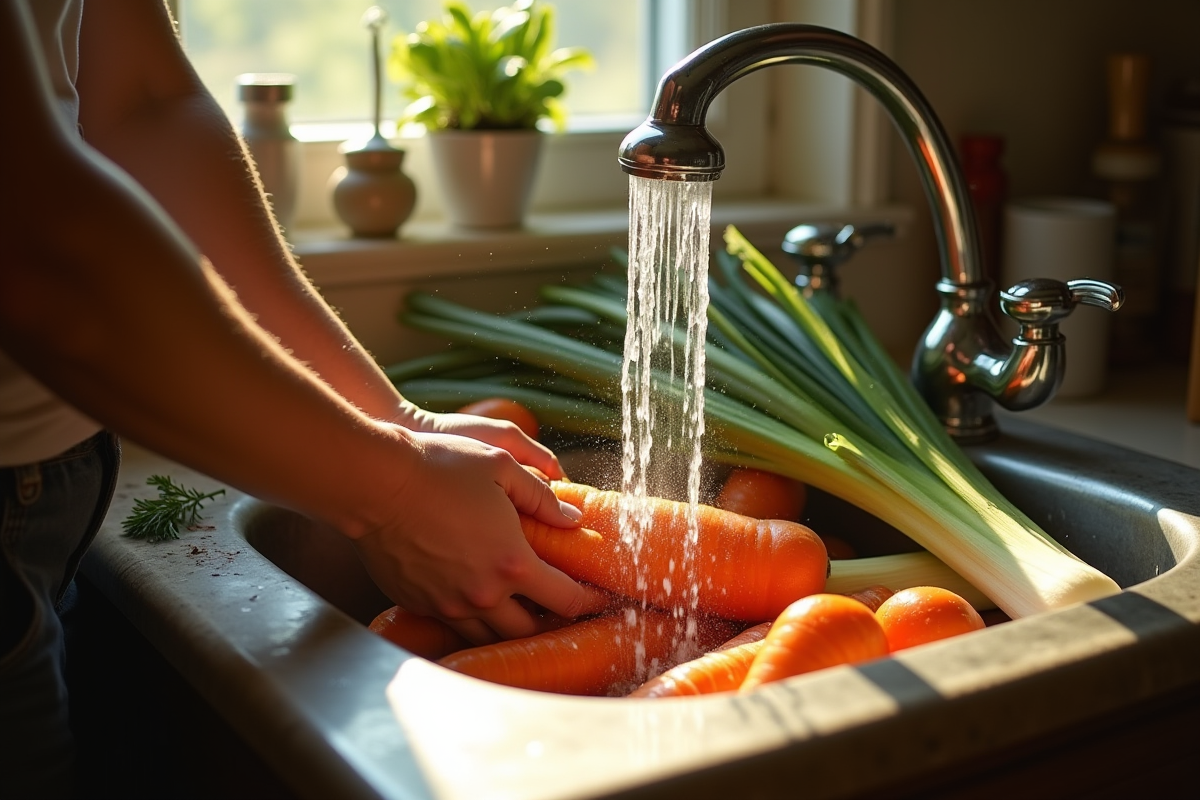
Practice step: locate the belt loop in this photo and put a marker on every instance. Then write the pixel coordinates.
(29, 484)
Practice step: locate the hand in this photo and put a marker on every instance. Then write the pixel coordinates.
(454, 548)
(500, 433)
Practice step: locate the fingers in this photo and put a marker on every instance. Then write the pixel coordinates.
(511, 620)
(532, 454)
(530, 495)
(537, 473)
(596, 600)
(514, 619)
(559, 593)
(474, 631)
(507, 620)
(508, 436)
(503, 434)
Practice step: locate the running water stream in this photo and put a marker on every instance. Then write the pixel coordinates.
(662, 377)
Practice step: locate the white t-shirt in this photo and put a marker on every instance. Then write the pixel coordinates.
(34, 423)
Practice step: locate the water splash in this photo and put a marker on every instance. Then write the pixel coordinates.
(662, 377)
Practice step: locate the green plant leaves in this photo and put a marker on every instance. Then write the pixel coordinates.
(485, 71)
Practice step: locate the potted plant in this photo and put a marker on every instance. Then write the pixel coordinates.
(481, 83)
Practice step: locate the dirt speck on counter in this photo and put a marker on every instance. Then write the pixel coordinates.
(212, 557)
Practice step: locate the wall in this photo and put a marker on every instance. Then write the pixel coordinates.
(1033, 72)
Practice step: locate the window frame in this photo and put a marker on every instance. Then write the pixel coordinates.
(772, 148)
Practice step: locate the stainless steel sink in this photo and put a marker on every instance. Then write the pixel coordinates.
(275, 639)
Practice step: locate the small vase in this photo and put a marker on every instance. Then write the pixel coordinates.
(486, 177)
(371, 194)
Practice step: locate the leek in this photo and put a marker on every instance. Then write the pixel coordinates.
(796, 387)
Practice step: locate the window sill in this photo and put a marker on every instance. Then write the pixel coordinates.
(429, 249)
(335, 133)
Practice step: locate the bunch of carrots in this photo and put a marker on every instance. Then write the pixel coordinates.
(597, 656)
(761, 611)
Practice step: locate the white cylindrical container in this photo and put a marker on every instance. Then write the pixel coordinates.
(264, 97)
(1065, 238)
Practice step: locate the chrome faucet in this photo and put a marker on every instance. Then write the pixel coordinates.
(962, 364)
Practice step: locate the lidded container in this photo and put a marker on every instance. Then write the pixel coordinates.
(265, 97)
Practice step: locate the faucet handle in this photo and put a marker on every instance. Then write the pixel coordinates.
(820, 247)
(1100, 294)
(1042, 302)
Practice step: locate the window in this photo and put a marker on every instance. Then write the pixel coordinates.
(773, 144)
(325, 45)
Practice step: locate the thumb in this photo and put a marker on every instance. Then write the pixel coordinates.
(533, 497)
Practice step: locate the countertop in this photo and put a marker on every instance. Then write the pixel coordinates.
(1140, 408)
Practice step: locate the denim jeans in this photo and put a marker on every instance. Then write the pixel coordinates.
(49, 514)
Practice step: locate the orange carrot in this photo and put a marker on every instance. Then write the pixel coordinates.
(722, 670)
(596, 656)
(743, 568)
(755, 633)
(872, 597)
(432, 639)
(823, 630)
(925, 614)
(762, 495)
(423, 636)
(837, 547)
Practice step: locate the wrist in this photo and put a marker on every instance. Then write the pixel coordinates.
(377, 481)
(415, 418)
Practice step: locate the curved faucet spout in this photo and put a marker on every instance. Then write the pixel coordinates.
(962, 363)
(674, 144)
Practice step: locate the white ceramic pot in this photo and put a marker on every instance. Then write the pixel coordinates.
(486, 177)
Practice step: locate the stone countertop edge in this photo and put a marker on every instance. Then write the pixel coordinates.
(306, 686)
(300, 681)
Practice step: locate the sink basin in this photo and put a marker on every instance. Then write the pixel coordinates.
(274, 638)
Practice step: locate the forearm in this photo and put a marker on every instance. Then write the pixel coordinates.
(175, 141)
(106, 301)
(114, 311)
(209, 172)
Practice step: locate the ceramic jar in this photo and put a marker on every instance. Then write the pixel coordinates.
(371, 194)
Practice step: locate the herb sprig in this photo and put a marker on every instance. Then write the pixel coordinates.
(160, 518)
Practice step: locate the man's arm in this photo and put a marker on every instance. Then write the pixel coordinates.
(106, 301)
(146, 109)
